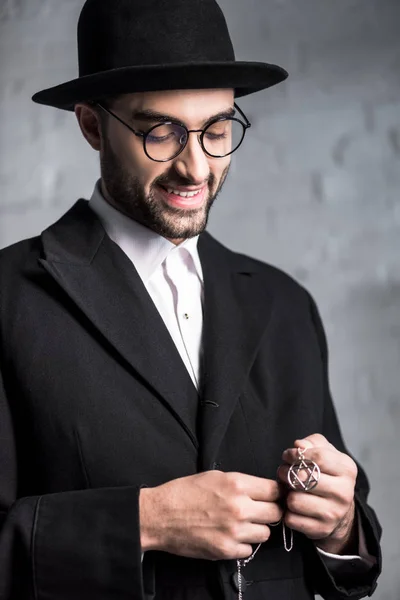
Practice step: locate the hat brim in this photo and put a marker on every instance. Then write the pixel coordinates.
(244, 77)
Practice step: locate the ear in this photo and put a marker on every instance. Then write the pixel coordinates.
(89, 122)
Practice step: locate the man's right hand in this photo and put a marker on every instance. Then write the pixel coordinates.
(211, 515)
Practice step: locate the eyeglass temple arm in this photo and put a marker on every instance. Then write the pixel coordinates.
(248, 124)
(138, 133)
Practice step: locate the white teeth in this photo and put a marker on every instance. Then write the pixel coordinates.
(183, 194)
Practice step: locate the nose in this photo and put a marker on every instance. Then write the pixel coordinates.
(192, 163)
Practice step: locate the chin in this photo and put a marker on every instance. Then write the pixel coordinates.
(182, 233)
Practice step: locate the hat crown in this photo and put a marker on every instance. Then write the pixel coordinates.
(131, 46)
(124, 33)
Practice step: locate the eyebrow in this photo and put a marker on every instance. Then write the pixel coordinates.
(153, 116)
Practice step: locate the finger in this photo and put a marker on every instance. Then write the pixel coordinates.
(324, 487)
(252, 533)
(329, 514)
(313, 440)
(305, 443)
(339, 490)
(329, 460)
(315, 507)
(266, 512)
(325, 458)
(312, 528)
(257, 488)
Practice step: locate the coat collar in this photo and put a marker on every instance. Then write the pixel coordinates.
(104, 284)
(145, 248)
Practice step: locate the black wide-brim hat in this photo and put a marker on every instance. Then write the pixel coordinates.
(127, 46)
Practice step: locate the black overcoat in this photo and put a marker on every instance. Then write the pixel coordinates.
(96, 402)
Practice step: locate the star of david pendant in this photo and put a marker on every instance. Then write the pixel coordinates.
(303, 467)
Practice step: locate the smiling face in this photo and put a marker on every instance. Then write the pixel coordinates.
(140, 187)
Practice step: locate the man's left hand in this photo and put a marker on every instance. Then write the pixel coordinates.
(325, 514)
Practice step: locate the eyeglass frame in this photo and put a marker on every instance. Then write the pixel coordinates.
(145, 134)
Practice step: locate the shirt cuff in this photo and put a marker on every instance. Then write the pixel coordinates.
(361, 562)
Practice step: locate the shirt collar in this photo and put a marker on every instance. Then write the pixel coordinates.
(145, 248)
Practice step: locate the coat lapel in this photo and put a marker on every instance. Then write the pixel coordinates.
(238, 307)
(106, 287)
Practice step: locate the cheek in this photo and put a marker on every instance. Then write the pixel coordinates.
(219, 170)
(127, 147)
(127, 153)
(137, 164)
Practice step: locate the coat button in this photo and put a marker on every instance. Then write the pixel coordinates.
(216, 465)
(235, 582)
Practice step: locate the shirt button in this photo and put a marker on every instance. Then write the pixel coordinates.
(186, 316)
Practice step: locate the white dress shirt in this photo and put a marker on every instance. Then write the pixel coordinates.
(173, 278)
(171, 274)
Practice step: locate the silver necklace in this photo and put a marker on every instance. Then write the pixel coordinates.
(238, 578)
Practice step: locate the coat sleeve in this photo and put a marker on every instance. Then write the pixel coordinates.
(328, 584)
(77, 544)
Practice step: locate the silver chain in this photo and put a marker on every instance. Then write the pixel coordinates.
(284, 538)
(244, 561)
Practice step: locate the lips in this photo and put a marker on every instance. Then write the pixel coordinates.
(178, 201)
(182, 193)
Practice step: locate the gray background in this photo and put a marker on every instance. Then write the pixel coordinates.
(314, 190)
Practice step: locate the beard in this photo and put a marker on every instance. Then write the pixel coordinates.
(128, 196)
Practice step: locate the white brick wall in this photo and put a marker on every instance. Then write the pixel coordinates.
(315, 188)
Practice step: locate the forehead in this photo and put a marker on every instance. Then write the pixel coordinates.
(191, 106)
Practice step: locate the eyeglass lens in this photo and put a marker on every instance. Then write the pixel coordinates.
(166, 140)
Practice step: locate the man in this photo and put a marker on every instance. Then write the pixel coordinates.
(164, 401)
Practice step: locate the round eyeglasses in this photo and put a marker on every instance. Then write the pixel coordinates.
(166, 140)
